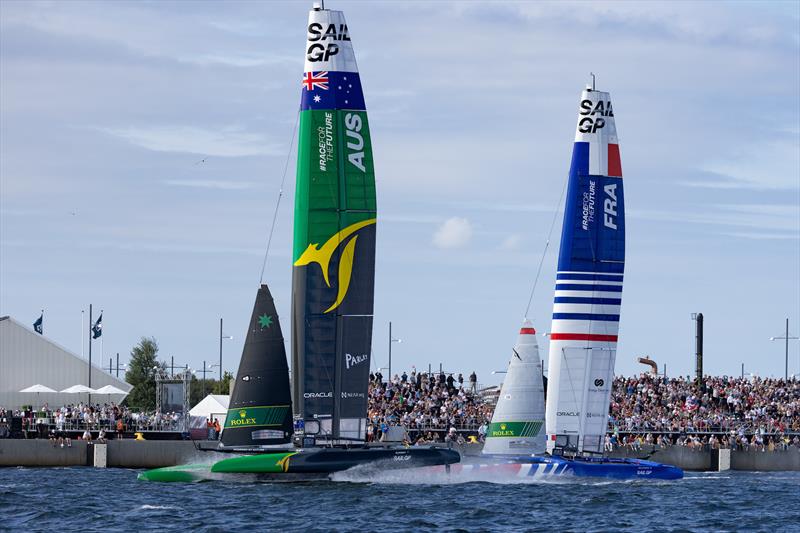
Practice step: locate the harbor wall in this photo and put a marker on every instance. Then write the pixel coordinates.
(755, 460)
(129, 453)
(41, 452)
(682, 457)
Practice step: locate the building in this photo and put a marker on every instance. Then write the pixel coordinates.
(27, 358)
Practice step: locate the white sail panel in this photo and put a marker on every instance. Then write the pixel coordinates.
(328, 45)
(517, 426)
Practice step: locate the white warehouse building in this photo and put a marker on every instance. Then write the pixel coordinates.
(27, 359)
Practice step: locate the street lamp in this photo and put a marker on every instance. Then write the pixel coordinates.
(786, 338)
(221, 336)
(204, 371)
(391, 340)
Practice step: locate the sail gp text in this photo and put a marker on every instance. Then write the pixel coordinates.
(319, 49)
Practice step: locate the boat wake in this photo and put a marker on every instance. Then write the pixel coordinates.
(500, 474)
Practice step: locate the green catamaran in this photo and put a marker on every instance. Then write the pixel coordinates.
(332, 299)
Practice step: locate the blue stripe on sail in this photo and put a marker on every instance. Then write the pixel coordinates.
(590, 277)
(588, 288)
(585, 316)
(579, 300)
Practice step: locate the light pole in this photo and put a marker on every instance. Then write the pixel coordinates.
(786, 338)
(206, 370)
(391, 340)
(221, 336)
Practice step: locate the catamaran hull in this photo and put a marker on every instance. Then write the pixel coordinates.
(303, 465)
(541, 468)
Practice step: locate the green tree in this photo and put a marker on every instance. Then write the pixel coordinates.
(225, 387)
(141, 374)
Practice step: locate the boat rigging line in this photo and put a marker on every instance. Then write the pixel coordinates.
(280, 195)
(546, 245)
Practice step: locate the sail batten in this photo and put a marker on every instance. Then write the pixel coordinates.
(589, 280)
(334, 239)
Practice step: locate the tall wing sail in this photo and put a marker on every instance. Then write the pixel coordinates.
(588, 292)
(517, 425)
(260, 410)
(334, 238)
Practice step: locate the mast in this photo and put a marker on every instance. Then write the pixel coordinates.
(334, 239)
(588, 291)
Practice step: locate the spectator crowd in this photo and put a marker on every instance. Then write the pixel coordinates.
(431, 407)
(108, 417)
(650, 403)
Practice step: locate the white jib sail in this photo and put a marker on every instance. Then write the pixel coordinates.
(517, 427)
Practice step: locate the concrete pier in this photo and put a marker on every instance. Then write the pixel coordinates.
(129, 453)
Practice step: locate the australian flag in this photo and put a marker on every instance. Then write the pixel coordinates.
(38, 326)
(97, 329)
(332, 90)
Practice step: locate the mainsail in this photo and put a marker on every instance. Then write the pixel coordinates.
(260, 411)
(588, 292)
(518, 420)
(334, 239)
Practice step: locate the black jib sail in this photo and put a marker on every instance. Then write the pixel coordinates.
(260, 411)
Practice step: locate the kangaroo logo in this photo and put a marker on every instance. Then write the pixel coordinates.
(322, 256)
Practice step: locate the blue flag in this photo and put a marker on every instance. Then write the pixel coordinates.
(97, 329)
(38, 326)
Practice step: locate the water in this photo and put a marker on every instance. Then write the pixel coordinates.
(52, 499)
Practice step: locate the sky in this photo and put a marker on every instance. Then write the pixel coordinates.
(108, 109)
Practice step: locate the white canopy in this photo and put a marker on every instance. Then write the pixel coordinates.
(37, 389)
(212, 406)
(110, 389)
(79, 389)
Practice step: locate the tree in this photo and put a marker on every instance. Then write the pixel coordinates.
(225, 386)
(141, 374)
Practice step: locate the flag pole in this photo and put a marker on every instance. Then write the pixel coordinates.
(42, 322)
(90, 353)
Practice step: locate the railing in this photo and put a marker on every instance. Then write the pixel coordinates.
(71, 424)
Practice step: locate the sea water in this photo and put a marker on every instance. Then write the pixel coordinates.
(90, 499)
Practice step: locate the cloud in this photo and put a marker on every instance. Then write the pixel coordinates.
(455, 232)
(228, 142)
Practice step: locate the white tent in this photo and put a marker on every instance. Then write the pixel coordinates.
(38, 388)
(78, 389)
(212, 406)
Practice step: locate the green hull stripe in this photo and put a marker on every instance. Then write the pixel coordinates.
(254, 464)
(514, 429)
(244, 417)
